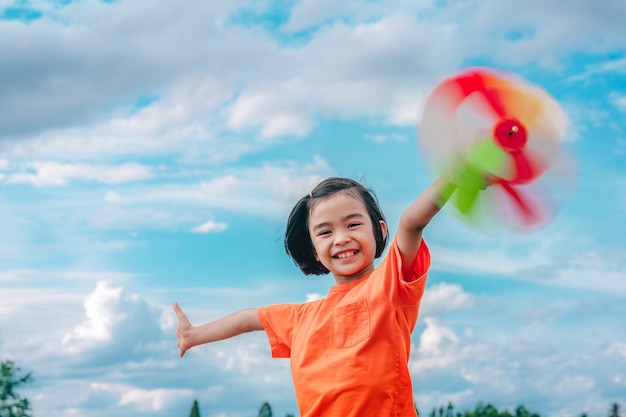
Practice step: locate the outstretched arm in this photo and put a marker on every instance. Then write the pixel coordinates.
(234, 324)
(415, 218)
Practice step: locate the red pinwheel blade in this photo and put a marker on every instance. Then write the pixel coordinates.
(529, 213)
(475, 82)
(527, 167)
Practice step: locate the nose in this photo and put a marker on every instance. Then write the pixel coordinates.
(341, 238)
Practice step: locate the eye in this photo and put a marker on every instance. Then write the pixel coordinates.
(353, 225)
(324, 232)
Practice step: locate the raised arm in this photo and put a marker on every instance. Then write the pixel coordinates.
(234, 324)
(415, 218)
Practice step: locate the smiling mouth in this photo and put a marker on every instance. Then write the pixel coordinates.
(346, 254)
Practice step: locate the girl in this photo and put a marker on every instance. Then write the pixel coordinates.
(349, 351)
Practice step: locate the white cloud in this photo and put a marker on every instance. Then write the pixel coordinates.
(373, 63)
(144, 399)
(547, 258)
(112, 197)
(210, 227)
(445, 297)
(309, 13)
(100, 318)
(406, 109)
(617, 350)
(435, 337)
(609, 281)
(268, 191)
(55, 174)
(76, 80)
(607, 67)
(485, 261)
(540, 28)
(618, 100)
(313, 296)
(509, 367)
(120, 357)
(117, 327)
(175, 124)
(382, 138)
(589, 270)
(282, 111)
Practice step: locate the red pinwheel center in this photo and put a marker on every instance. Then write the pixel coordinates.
(510, 134)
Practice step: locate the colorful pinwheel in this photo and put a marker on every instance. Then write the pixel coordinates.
(501, 135)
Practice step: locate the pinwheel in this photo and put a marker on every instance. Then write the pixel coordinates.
(502, 136)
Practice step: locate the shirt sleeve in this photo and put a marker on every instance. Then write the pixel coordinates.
(279, 323)
(422, 262)
(399, 291)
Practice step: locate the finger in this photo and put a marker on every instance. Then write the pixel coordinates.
(178, 310)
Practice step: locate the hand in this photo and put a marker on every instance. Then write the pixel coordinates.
(182, 330)
(469, 176)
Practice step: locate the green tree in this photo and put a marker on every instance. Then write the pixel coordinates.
(614, 410)
(195, 410)
(489, 410)
(521, 411)
(11, 404)
(266, 410)
(450, 410)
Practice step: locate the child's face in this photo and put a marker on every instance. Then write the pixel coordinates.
(343, 237)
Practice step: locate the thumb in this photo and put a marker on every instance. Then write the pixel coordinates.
(178, 310)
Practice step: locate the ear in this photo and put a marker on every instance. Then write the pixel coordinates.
(383, 228)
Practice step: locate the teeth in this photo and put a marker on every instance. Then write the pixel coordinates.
(345, 255)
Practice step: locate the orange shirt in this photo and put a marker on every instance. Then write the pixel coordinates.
(350, 351)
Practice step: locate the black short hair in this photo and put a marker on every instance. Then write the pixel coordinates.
(298, 243)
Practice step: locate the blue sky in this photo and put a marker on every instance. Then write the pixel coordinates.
(150, 151)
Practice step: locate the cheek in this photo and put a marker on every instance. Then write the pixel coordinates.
(372, 241)
(320, 248)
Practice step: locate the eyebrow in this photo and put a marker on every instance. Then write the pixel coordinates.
(344, 218)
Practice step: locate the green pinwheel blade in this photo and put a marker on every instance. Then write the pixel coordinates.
(471, 181)
(465, 199)
(488, 157)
